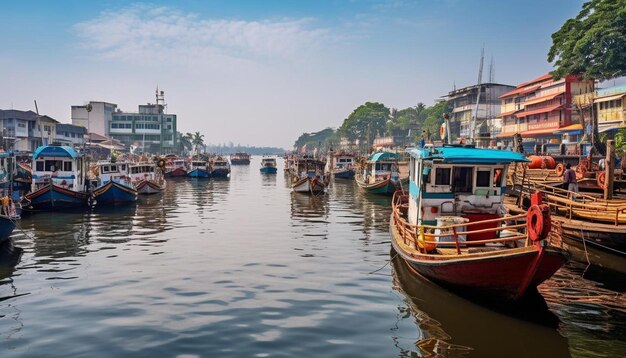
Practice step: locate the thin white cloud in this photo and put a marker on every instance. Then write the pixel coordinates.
(145, 33)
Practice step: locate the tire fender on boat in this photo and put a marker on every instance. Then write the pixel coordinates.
(601, 179)
(538, 222)
(560, 169)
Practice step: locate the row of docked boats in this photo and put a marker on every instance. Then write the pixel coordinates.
(198, 166)
(378, 173)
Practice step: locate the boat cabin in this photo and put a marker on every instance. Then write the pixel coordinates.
(268, 162)
(112, 171)
(198, 164)
(58, 165)
(457, 182)
(381, 166)
(142, 171)
(220, 164)
(344, 161)
(310, 167)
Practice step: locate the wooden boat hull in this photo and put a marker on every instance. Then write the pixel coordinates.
(7, 225)
(113, 193)
(383, 187)
(269, 170)
(344, 174)
(220, 173)
(307, 186)
(178, 172)
(507, 273)
(53, 197)
(198, 173)
(146, 187)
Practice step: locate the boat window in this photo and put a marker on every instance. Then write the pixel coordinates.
(462, 179)
(442, 176)
(151, 169)
(123, 167)
(105, 168)
(67, 166)
(39, 166)
(134, 170)
(483, 178)
(113, 168)
(52, 165)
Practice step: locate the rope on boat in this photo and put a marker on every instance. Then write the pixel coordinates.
(387, 263)
(582, 233)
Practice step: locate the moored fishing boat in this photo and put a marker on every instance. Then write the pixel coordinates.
(451, 227)
(268, 165)
(220, 168)
(147, 178)
(58, 179)
(114, 185)
(311, 178)
(379, 174)
(240, 158)
(199, 169)
(342, 165)
(176, 167)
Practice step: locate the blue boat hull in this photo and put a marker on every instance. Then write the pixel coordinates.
(220, 173)
(345, 174)
(269, 170)
(198, 173)
(53, 197)
(6, 227)
(113, 193)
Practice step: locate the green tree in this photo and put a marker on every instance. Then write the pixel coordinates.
(319, 140)
(593, 44)
(434, 118)
(184, 141)
(365, 123)
(197, 140)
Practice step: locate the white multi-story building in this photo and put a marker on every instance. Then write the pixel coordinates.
(95, 116)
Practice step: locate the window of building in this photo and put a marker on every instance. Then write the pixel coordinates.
(442, 176)
(46, 128)
(21, 125)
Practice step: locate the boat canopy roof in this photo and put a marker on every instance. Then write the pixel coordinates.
(55, 151)
(465, 155)
(377, 157)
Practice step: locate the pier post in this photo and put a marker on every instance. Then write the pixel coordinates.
(609, 170)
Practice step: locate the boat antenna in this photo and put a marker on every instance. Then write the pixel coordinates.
(480, 80)
(37, 122)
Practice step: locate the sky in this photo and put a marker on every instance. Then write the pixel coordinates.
(263, 72)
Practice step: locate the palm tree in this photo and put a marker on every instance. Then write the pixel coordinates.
(184, 141)
(197, 140)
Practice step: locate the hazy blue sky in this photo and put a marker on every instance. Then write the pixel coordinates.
(263, 72)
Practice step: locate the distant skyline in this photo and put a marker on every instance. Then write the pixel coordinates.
(262, 72)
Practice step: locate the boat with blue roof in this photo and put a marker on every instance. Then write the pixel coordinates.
(58, 179)
(113, 184)
(452, 228)
(380, 174)
(342, 165)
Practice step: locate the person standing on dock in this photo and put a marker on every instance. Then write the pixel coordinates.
(569, 179)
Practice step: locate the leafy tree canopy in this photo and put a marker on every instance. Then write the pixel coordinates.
(434, 118)
(366, 122)
(314, 140)
(593, 44)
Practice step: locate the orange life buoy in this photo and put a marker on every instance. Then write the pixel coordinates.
(538, 222)
(601, 179)
(560, 169)
(581, 171)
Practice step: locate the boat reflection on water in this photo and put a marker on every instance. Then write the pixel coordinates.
(452, 326)
(309, 208)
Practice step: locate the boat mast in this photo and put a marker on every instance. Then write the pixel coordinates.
(38, 124)
(480, 80)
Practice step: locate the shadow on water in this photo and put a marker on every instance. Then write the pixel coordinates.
(452, 326)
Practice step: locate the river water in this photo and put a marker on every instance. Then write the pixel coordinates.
(245, 268)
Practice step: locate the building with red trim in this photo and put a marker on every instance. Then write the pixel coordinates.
(545, 111)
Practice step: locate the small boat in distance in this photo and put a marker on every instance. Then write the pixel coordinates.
(58, 180)
(199, 169)
(268, 165)
(114, 185)
(220, 168)
(451, 226)
(342, 165)
(380, 174)
(147, 178)
(240, 158)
